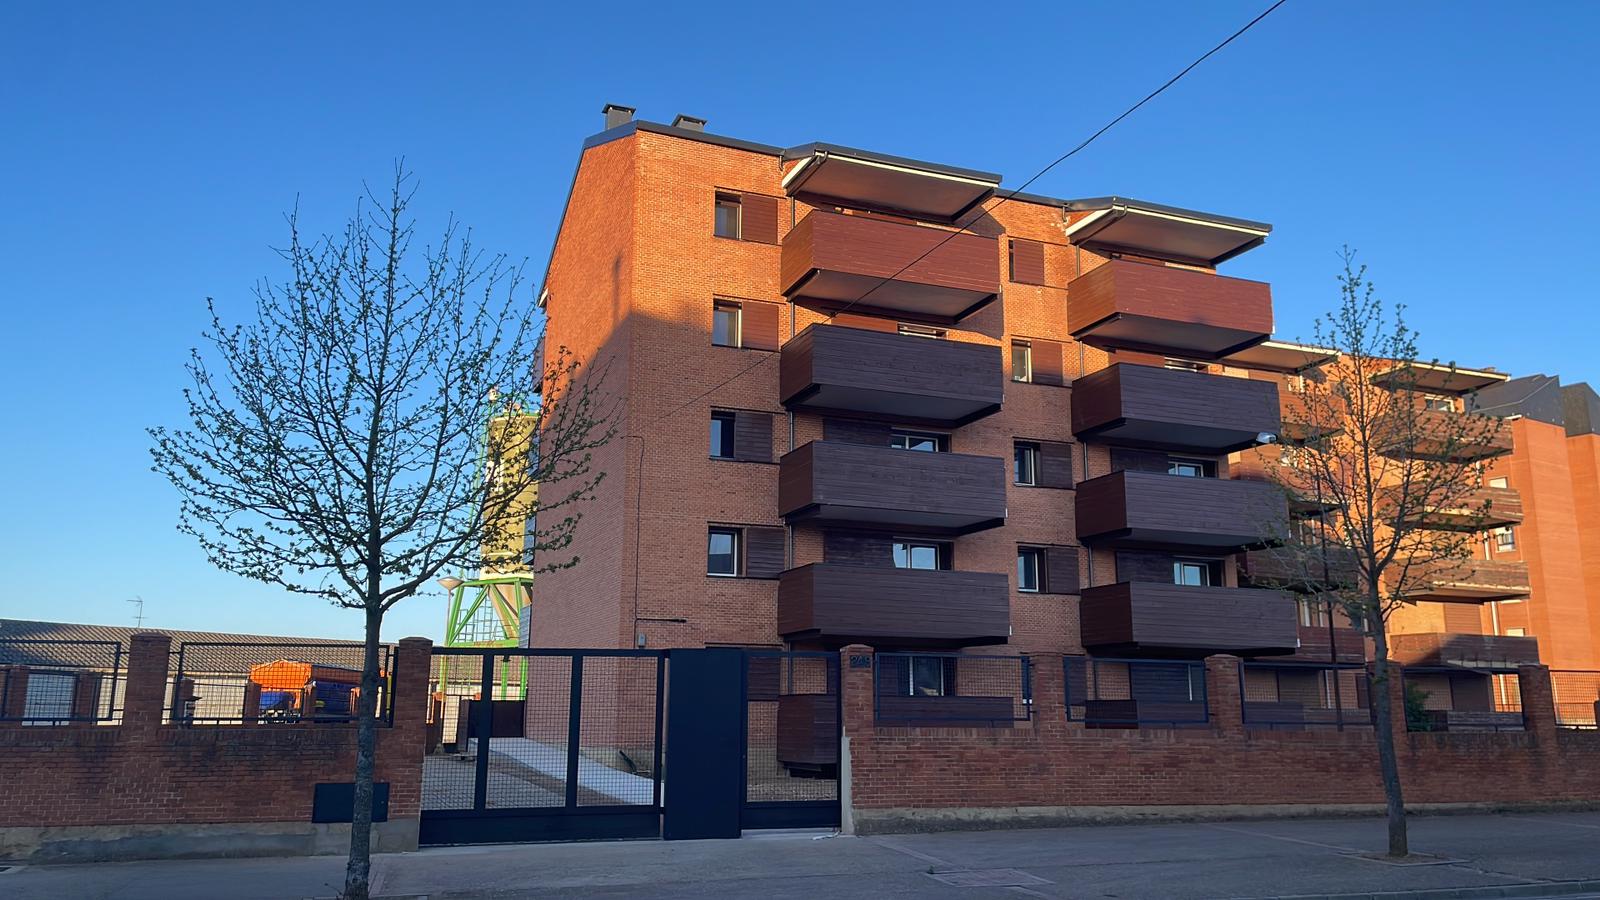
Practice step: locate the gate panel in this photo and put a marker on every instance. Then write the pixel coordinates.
(792, 729)
(553, 753)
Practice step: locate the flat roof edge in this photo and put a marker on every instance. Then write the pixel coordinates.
(815, 147)
(1099, 203)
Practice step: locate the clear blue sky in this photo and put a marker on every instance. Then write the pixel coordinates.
(149, 151)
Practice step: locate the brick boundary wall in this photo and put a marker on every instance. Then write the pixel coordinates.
(1049, 771)
(143, 789)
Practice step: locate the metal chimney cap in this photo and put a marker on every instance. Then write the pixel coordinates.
(617, 114)
(693, 123)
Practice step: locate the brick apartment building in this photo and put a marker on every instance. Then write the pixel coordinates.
(843, 420)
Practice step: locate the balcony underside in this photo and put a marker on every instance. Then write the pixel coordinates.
(1184, 620)
(859, 178)
(1473, 652)
(1470, 581)
(835, 604)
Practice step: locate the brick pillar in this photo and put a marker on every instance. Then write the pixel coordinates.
(1538, 702)
(1223, 694)
(146, 692)
(1049, 693)
(412, 666)
(15, 698)
(856, 669)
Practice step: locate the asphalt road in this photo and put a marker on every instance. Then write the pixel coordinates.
(1520, 855)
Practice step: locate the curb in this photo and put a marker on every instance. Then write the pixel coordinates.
(1531, 889)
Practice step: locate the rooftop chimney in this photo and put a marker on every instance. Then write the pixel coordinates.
(617, 115)
(689, 122)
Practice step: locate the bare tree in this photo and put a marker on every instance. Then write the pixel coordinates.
(1382, 456)
(341, 445)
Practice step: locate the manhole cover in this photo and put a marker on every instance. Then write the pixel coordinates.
(987, 878)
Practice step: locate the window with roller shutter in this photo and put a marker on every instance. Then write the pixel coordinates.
(746, 217)
(742, 435)
(1027, 261)
(1051, 569)
(1049, 463)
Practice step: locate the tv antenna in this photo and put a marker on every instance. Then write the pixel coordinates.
(138, 619)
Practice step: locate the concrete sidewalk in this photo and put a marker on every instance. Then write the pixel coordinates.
(1500, 855)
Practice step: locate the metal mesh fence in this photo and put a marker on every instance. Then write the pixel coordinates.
(1289, 697)
(1128, 693)
(47, 682)
(1577, 698)
(952, 689)
(217, 683)
(1439, 699)
(791, 726)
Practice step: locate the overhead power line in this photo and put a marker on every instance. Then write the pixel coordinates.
(1005, 198)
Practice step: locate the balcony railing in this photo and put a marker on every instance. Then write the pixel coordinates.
(1304, 570)
(838, 604)
(957, 689)
(1297, 696)
(1439, 435)
(1314, 642)
(1486, 652)
(1133, 693)
(1486, 507)
(1164, 309)
(1467, 581)
(875, 264)
(1149, 406)
(948, 383)
(838, 483)
(1188, 619)
(1152, 510)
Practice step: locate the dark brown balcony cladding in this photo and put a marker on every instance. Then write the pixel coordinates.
(827, 174)
(1299, 569)
(1150, 510)
(875, 265)
(838, 483)
(1485, 652)
(948, 383)
(1485, 507)
(1162, 309)
(1437, 379)
(836, 604)
(1149, 406)
(1467, 581)
(1440, 435)
(1186, 620)
(1351, 644)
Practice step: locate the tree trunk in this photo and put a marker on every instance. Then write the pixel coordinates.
(358, 873)
(1383, 724)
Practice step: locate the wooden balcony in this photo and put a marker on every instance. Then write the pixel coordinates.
(1440, 435)
(947, 383)
(1468, 581)
(837, 604)
(1487, 652)
(1162, 309)
(1486, 507)
(1351, 644)
(1153, 511)
(868, 486)
(1148, 406)
(1300, 569)
(833, 260)
(1186, 620)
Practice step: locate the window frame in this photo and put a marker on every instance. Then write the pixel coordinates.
(730, 423)
(1030, 451)
(942, 553)
(1431, 402)
(737, 552)
(941, 441)
(1179, 364)
(1027, 358)
(1504, 482)
(728, 200)
(1208, 567)
(1208, 468)
(1505, 538)
(911, 675)
(719, 305)
(912, 329)
(1037, 554)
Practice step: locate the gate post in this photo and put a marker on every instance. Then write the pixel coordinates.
(705, 743)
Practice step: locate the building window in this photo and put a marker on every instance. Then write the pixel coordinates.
(1186, 365)
(1516, 632)
(925, 676)
(725, 323)
(728, 218)
(1313, 613)
(1194, 572)
(919, 441)
(1025, 463)
(1192, 468)
(1029, 567)
(1505, 538)
(920, 330)
(930, 555)
(722, 435)
(722, 552)
(1438, 403)
(1499, 481)
(1021, 361)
